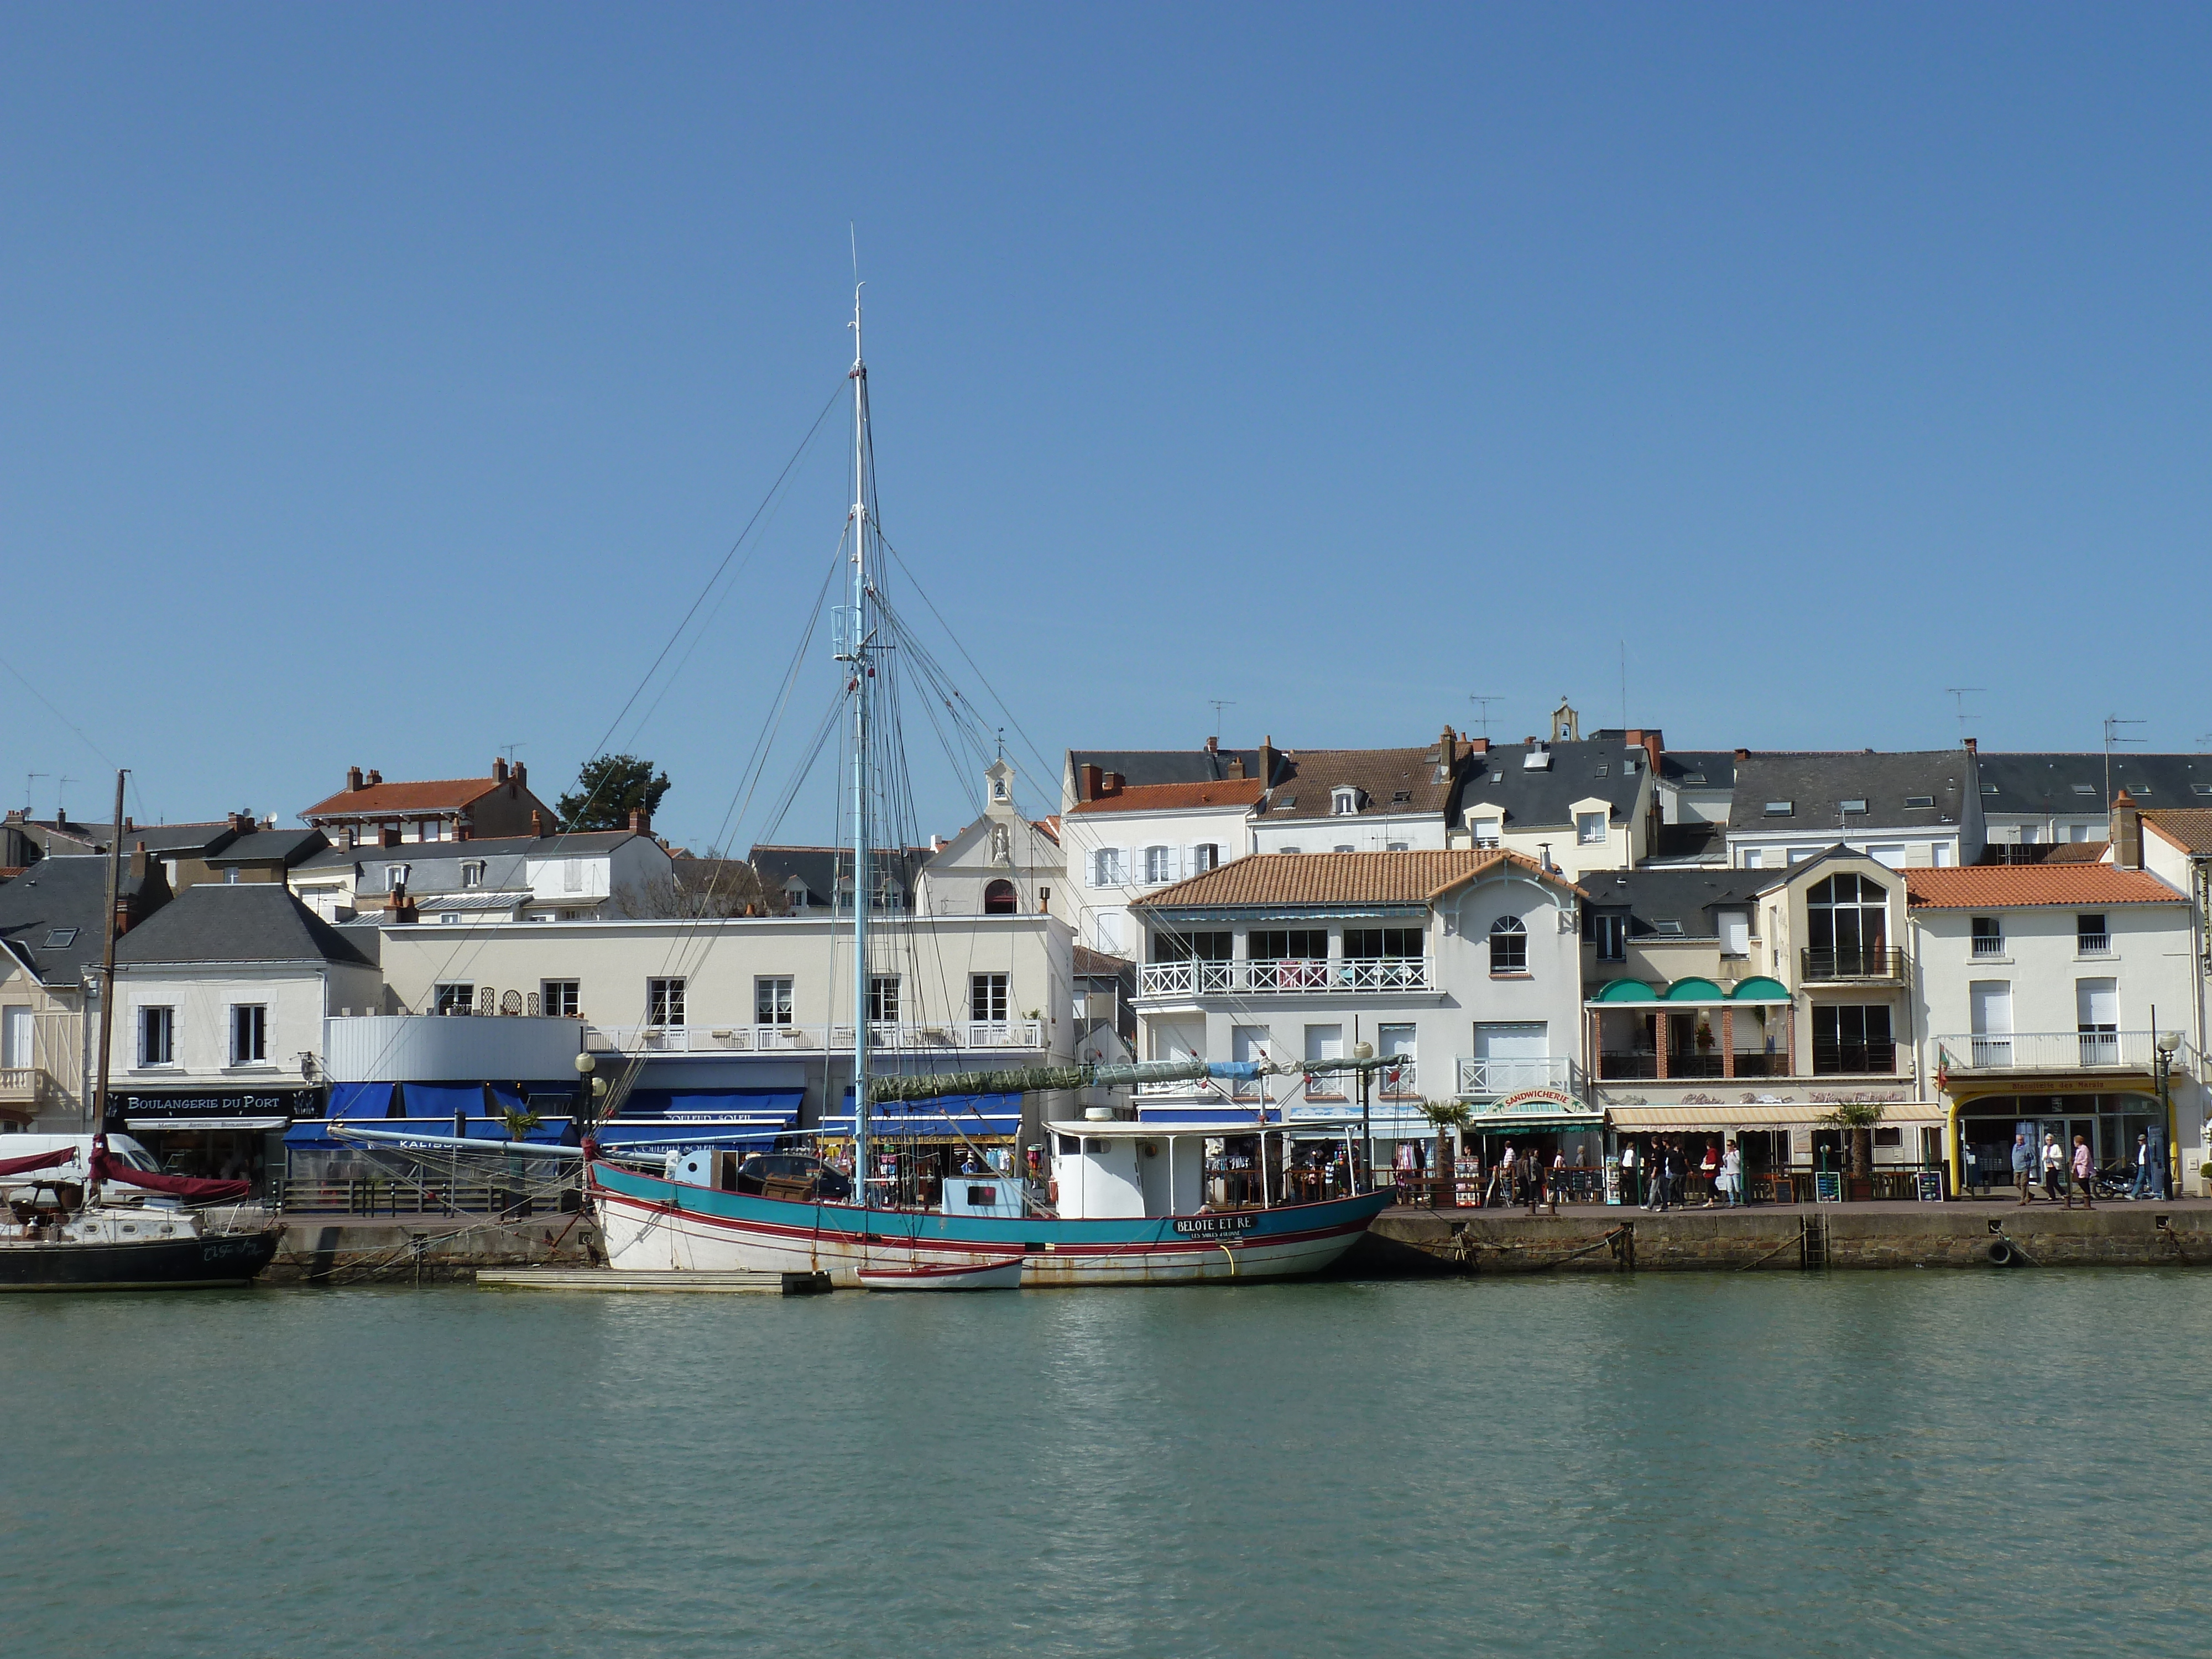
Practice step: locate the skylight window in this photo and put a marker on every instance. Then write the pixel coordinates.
(2202, 788)
(61, 939)
(1693, 777)
(1853, 806)
(1781, 809)
(1667, 925)
(1988, 789)
(2085, 788)
(1919, 801)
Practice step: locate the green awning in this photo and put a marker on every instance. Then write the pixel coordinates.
(1759, 988)
(1627, 990)
(1694, 989)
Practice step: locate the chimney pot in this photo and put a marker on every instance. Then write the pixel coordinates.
(499, 769)
(640, 824)
(1973, 745)
(537, 824)
(376, 777)
(353, 778)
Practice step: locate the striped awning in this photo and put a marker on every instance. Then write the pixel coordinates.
(1786, 1114)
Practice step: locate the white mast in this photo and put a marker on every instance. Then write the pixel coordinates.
(863, 675)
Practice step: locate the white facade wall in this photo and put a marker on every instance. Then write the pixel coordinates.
(297, 996)
(1922, 848)
(416, 1049)
(1356, 832)
(1102, 908)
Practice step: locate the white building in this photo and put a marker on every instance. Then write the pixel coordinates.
(1001, 864)
(2039, 799)
(452, 882)
(2040, 994)
(1131, 840)
(1581, 805)
(1467, 963)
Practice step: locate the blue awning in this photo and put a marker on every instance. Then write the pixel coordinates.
(360, 1100)
(943, 1118)
(751, 1106)
(446, 1100)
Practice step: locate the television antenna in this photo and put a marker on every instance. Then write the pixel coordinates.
(508, 748)
(1484, 702)
(1218, 704)
(61, 793)
(2113, 735)
(1959, 695)
(31, 790)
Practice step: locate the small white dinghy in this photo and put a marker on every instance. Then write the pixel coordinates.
(1004, 1273)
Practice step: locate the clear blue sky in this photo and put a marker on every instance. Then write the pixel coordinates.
(381, 384)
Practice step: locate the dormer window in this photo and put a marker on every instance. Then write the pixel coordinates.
(1344, 801)
(473, 873)
(395, 878)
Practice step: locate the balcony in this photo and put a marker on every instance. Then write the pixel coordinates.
(26, 1090)
(1988, 945)
(1864, 966)
(1870, 1059)
(1357, 975)
(2093, 945)
(1631, 1066)
(952, 1037)
(2048, 1051)
(1487, 1079)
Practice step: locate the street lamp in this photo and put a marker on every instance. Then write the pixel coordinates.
(2169, 1044)
(584, 1081)
(1365, 1051)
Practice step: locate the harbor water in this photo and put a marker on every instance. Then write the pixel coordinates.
(1900, 1463)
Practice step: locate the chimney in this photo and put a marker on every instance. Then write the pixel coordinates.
(352, 836)
(376, 777)
(1236, 768)
(353, 778)
(2126, 832)
(138, 861)
(1268, 760)
(241, 823)
(519, 776)
(1214, 745)
(1973, 745)
(639, 823)
(127, 825)
(1743, 754)
(1087, 778)
(499, 769)
(1113, 783)
(537, 824)
(398, 907)
(1478, 745)
(388, 835)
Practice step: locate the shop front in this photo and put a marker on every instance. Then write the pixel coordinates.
(2109, 1121)
(1548, 1128)
(1785, 1144)
(220, 1134)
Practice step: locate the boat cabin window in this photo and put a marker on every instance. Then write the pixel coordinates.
(983, 1198)
(1069, 1145)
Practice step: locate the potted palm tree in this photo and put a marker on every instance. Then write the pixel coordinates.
(1856, 1119)
(1445, 1116)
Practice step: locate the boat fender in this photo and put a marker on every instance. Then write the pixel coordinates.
(2000, 1253)
(1052, 1192)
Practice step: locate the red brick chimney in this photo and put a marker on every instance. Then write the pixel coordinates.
(388, 835)
(519, 777)
(499, 769)
(1973, 745)
(640, 822)
(2126, 832)
(1113, 783)
(537, 824)
(241, 823)
(1478, 745)
(1743, 754)
(398, 906)
(1087, 779)
(353, 778)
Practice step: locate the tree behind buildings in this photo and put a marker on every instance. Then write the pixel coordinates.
(609, 788)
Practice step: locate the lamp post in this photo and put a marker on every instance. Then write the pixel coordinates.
(1365, 1051)
(2167, 1044)
(585, 1066)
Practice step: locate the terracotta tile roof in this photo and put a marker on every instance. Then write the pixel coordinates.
(1050, 827)
(1274, 879)
(438, 795)
(1995, 886)
(1173, 796)
(2189, 828)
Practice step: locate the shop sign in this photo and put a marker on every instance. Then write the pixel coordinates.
(182, 1110)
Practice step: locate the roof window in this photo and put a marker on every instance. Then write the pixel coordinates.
(2085, 788)
(1919, 801)
(1496, 776)
(1693, 777)
(1853, 806)
(1781, 809)
(1402, 798)
(1988, 789)
(61, 939)
(1666, 925)
(2200, 788)
(1603, 770)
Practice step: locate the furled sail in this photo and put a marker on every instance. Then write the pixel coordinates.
(106, 1167)
(36, 1161)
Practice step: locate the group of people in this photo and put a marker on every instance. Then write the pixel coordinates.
(1522, 1175)
(2063, 1174)
(1657, 1177)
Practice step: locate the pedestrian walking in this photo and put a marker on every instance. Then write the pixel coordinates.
(2054, 1168)
(2141, 1187)
(1669, 1160)
(1558, 1177)
(1709, 1167)
(2082, 1170)
(2023, 1157)
(1732, 1174)
(1631, 1188)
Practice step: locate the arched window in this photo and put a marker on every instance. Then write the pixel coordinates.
(999, 898)
(1847, 927)
(1509, 946)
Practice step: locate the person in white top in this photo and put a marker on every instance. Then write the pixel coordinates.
(1731, 1181)
(2054, 1168)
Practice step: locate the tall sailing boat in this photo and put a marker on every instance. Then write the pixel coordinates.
(1128, 1202)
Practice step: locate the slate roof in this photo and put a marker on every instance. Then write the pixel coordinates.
(1541, 798)
(1392, 782)
(1997, 886)
(1174, 796)
(162, 840)
(2044, 784)
(285, 846)
(1326, 878)
(1688, 897)
(253, 922)
(2189, 829)
(1816, 785)
(68, 890)
(820, 868)
(1699, 768)
(1140, 767)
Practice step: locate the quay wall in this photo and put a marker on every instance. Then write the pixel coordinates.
(428, 1251)
(1404, 1241)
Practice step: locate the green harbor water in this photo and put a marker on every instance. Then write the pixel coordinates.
(1872, 1463)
